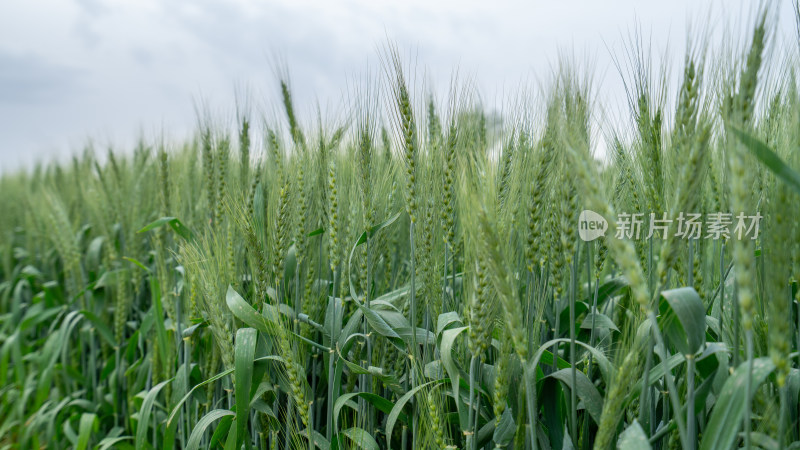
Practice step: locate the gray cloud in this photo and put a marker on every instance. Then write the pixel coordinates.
(26, 78)
(93, 7)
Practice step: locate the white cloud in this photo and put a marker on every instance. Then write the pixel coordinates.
(108, 69)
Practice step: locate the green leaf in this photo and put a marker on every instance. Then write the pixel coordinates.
(145, 412)
(377, 323)
(372, 231)
(398, 408)
(726, 418)
(633, 438)
(793, 388)
(380, 403)
(361, 438)
(155, 291)
(683, 319)
(137, 263)
(177, 226)
(656, 373)
(334, 314)
(244, 312)
(94, 252)
(221, 432)
(763, 441)
(100, 326)
(110, 442)
(600, 321)
(158, 223)
(176, 408)
(181, 229)
(446, 350)
(362, 239)
(197, 433)
(161, 331)
(110, 278)
(505, 429)
(392, 296)
(445, 320)
(394, 318)
(316, 232)
(608, 290)
(333, 322)
(88, 424)
(587, 392)
(389, 380)
(580, 309)
(769, 158)
(319, 440)
(69, 433)
(244, 352)
(424, 337)
(606, 368)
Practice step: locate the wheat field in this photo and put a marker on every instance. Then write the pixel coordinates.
(418, 273)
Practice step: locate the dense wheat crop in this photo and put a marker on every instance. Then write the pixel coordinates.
(417, 273)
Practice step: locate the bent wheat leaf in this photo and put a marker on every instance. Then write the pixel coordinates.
(197, 433)
(88, 425)
(683, 319)
(726, 418)
(244, 312)
(587, 392)
(361, 438)
(145, 412)
(379, 402)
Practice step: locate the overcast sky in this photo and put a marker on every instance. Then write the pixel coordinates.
(71, 70)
